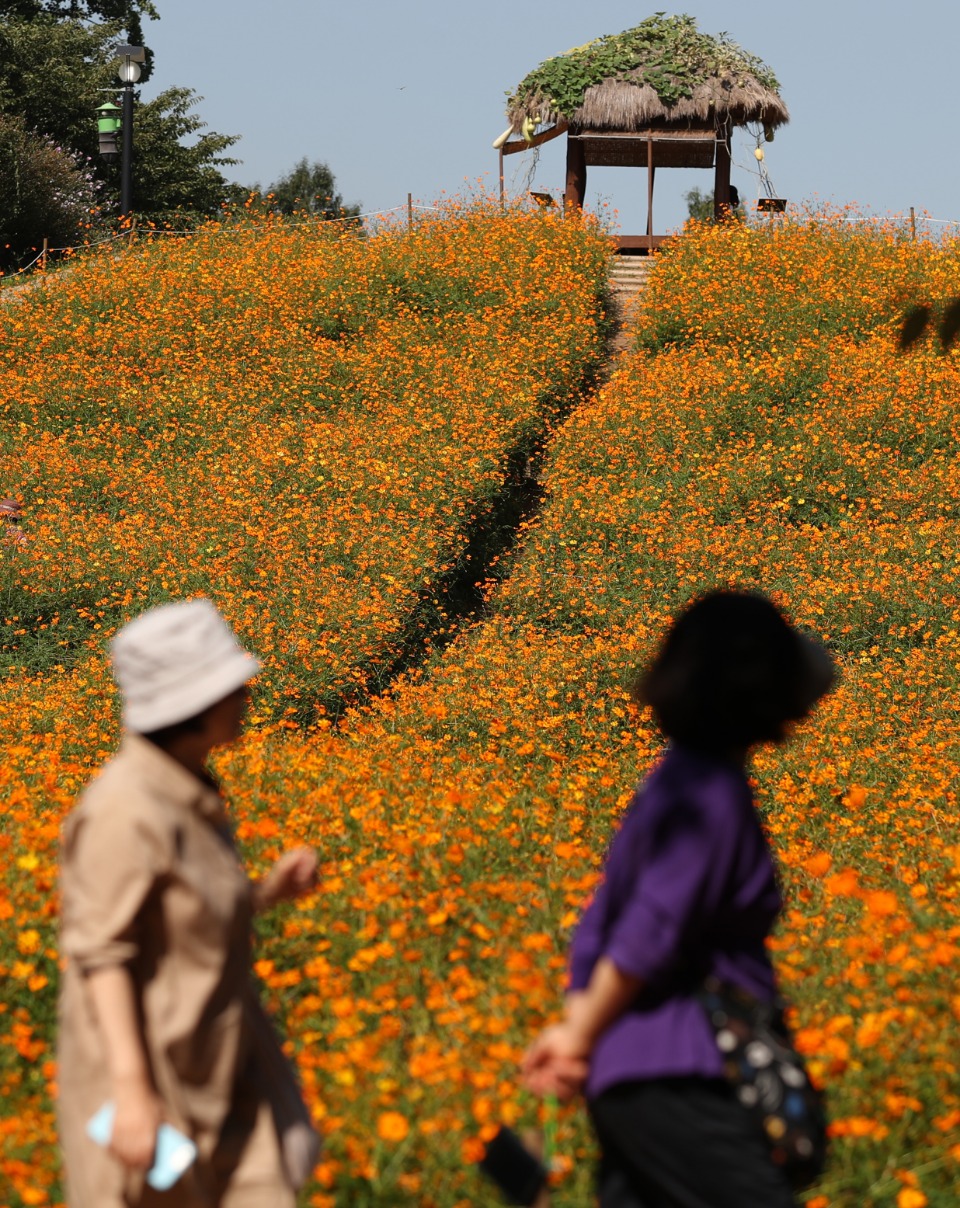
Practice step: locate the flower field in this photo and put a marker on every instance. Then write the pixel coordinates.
(322, 414)
(314, 430)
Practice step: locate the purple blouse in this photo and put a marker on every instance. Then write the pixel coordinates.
(689, 888)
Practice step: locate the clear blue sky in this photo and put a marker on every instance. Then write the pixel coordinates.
(400, 97)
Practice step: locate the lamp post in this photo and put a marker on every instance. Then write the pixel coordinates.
(129, 72)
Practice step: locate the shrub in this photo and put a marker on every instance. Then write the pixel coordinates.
(45, 192)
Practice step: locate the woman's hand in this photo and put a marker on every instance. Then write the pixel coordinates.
(138, 1109)
(294, 874)
(139, 1113)
(557, 1062)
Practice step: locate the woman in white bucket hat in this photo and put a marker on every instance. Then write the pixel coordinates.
(158, 1015)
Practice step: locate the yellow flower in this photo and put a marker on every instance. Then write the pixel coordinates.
(28, 942)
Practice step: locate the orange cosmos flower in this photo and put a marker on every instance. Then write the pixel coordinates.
(881, 902)
(392, 1126)
(842, 884)
(855, 797)
(819, 864)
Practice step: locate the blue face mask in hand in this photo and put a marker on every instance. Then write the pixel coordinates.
(174, 1154)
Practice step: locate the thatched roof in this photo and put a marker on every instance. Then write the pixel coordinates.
(663, 72)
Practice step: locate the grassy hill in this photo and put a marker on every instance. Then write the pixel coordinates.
(389, 462)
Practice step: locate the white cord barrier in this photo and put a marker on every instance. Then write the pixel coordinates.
(151, 231)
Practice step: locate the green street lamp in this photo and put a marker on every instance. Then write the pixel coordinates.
(108, 127)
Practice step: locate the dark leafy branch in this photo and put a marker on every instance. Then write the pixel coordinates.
(921, 319)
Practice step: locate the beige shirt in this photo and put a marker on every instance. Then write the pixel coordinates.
(151, 879)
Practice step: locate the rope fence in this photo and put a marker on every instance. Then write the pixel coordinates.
(246, 229)
(914, 220)
(912, 216)
(243, 230)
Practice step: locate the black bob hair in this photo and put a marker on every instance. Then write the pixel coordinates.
(731, 672)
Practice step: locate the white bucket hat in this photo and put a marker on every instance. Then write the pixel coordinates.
(174, 661)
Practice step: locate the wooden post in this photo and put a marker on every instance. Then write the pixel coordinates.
(913, 223)
(576, 190)
(721, 187)
(43, 254)
(409, 211)
(502, 201)
(650, 172)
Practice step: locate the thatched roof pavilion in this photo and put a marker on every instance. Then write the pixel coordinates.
(662, 94)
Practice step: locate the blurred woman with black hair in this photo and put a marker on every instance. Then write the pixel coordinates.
(689, 891)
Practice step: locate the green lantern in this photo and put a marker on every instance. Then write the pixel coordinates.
(108, 125)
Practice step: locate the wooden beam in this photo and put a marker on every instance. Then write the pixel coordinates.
(650, 171)
(640, 243)
(576, 190)
(537, 141)
(721, 187)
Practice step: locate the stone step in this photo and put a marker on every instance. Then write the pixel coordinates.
(628, 277)
(639, 262)
(623, 271)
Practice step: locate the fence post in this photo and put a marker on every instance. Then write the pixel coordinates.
(43, 254)
(913, 222)
(409, 211)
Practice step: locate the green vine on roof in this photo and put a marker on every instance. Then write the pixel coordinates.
(668, 53)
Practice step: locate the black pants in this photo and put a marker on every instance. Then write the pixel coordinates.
(682, 1143)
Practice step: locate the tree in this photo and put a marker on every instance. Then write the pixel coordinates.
(52, 73)
(119, 14)
(310, 188)
(118, 11)
(699, 205)
(169, 174)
